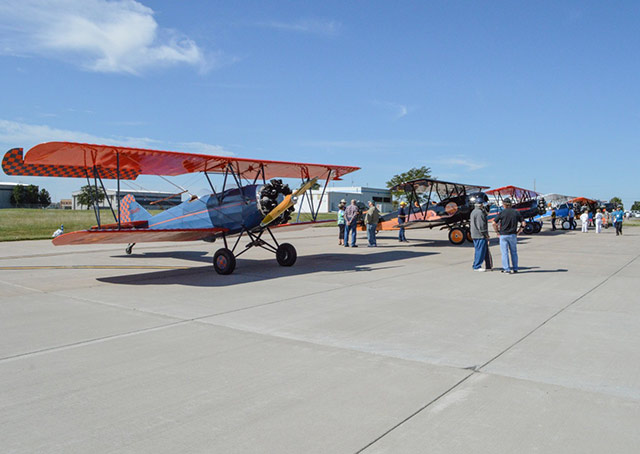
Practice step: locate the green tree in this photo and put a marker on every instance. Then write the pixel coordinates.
(635, 206)
(411, 174)
(24, 196)
(617, 201)
(89, 194)
(17, 195)
(44, 198)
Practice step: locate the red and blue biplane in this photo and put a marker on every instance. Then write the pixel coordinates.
(529, 203)
(257, 203)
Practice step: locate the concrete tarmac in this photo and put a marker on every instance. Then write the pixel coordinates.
(395, 349)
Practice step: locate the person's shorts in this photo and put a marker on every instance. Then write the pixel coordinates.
(341, 230)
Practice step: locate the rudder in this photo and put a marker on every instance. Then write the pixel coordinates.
(131, 211)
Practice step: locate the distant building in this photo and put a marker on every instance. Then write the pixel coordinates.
(332, 197)
(151, 200)
(66, 204)
(6, 189)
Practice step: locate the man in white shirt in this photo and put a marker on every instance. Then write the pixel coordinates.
(584, 218)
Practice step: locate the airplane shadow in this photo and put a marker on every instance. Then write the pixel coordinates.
(249, 270)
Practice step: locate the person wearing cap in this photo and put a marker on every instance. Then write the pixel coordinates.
(508, 224)
(480, 237)
(341, 206)
(618, 217)
(402, 218)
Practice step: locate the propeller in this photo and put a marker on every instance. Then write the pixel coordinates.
(288, 202)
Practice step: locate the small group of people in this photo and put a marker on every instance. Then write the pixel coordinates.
(348, 223)
(507, 224)
(601, 217)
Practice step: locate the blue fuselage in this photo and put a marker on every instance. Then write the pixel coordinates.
(234, 209)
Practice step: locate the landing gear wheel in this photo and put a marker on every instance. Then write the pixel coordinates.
(456, 235)
(129, 248)
(224, 261)
(528, 228)
(537, 226)
(468, 235)
(286, 254)
(566, 225)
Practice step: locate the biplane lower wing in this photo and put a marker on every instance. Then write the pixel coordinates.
(302, 225)
(134, 236)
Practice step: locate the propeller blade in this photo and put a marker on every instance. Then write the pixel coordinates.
(287, 203)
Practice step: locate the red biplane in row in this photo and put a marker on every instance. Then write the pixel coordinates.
(257, 203)
(529, 203)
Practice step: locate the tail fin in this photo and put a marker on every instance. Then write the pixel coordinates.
(131, 211)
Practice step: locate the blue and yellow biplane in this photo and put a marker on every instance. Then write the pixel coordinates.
(257, 203)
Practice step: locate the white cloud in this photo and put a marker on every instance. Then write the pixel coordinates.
(398, 110)
(104, 36)
(461, 161)
(312, 26)
(15, 134)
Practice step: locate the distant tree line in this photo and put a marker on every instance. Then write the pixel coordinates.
(30, 196)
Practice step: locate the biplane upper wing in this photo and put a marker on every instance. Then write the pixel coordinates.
(513, 191)
(441, 188)
(69, 159)
(114, 236)
(583, 201)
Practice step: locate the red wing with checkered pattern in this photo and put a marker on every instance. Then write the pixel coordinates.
(13, 164)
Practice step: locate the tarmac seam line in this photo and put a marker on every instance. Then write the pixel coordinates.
(556, 314)
(415, 413)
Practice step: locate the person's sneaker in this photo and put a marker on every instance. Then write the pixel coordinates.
(354, 245)
(506, 271)
(482, 270)
(514, 271)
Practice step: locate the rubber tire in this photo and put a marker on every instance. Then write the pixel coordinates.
(224, 261)
(468, 235)
(286, 254)
(457, 235)
(537, 226)
(129, 249)
(565, 224)
(528, 228)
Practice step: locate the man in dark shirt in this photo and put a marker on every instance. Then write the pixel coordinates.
(553, 218)
(508, 224)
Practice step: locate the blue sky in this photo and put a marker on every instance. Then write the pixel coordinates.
(491, 93)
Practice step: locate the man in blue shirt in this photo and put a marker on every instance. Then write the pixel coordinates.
(402, 218)
(618, 216)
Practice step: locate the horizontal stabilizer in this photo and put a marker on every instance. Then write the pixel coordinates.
(135, 236)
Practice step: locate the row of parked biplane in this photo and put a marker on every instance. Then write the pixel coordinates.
(252, 202)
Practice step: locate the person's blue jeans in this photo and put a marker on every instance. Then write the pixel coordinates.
(350, 228)
(371, 234)
(480, 254)
(401, 236)
(508, 246)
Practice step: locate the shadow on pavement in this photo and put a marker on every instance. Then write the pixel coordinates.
(248, 270)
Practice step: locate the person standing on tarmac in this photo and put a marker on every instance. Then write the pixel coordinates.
(480, 237)
(553, 218)
(508, 224)
(402, 218)
(371, 221)
(351, 223)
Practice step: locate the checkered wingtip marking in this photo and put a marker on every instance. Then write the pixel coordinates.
(13, 164)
